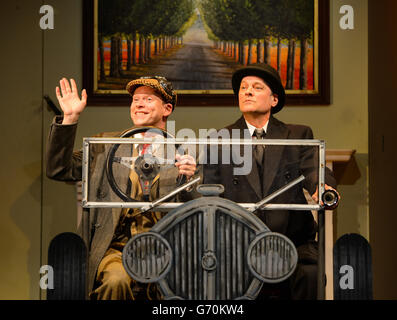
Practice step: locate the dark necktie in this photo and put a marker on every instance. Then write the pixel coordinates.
(259, 149)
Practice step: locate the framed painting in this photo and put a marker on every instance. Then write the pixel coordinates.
(198, 44)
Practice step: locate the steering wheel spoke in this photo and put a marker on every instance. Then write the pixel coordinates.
(149, 165)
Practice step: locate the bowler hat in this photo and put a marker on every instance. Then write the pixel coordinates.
(268, 74)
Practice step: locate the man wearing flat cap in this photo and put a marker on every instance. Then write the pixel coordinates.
(153, 100)
(261, 95)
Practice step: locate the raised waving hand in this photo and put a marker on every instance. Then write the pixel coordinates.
(69, 100)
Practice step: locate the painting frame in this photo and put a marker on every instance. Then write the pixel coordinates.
(320, 96)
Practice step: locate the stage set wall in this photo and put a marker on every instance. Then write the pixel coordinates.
(35, 209)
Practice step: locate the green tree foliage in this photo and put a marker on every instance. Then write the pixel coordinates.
(248, 21)
(143, 20)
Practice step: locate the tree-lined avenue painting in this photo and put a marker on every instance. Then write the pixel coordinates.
(198, 44)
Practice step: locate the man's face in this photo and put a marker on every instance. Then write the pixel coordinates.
(148, 109)
(255, 96)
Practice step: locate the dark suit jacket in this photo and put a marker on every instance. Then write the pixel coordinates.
(282, 164)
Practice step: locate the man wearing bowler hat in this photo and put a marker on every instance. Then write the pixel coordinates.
(261, 95)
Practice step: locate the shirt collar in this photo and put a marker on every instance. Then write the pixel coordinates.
(252, 128)
(152, 148)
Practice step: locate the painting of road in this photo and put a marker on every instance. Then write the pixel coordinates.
(197, 44)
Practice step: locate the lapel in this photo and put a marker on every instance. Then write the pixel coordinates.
(166, 180)
(101, 152)
(276, 130)
(253, 176)
(121, 174)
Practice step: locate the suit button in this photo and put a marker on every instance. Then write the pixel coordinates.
(235, 181)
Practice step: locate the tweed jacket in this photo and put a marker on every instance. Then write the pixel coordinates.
(64, 164)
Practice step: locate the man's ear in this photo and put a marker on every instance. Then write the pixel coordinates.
(167, 109)
(275, 100)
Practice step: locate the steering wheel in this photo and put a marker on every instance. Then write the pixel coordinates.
(145, 165)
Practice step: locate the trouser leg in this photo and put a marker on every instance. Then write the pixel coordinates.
(114, 282)
(304, 282)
